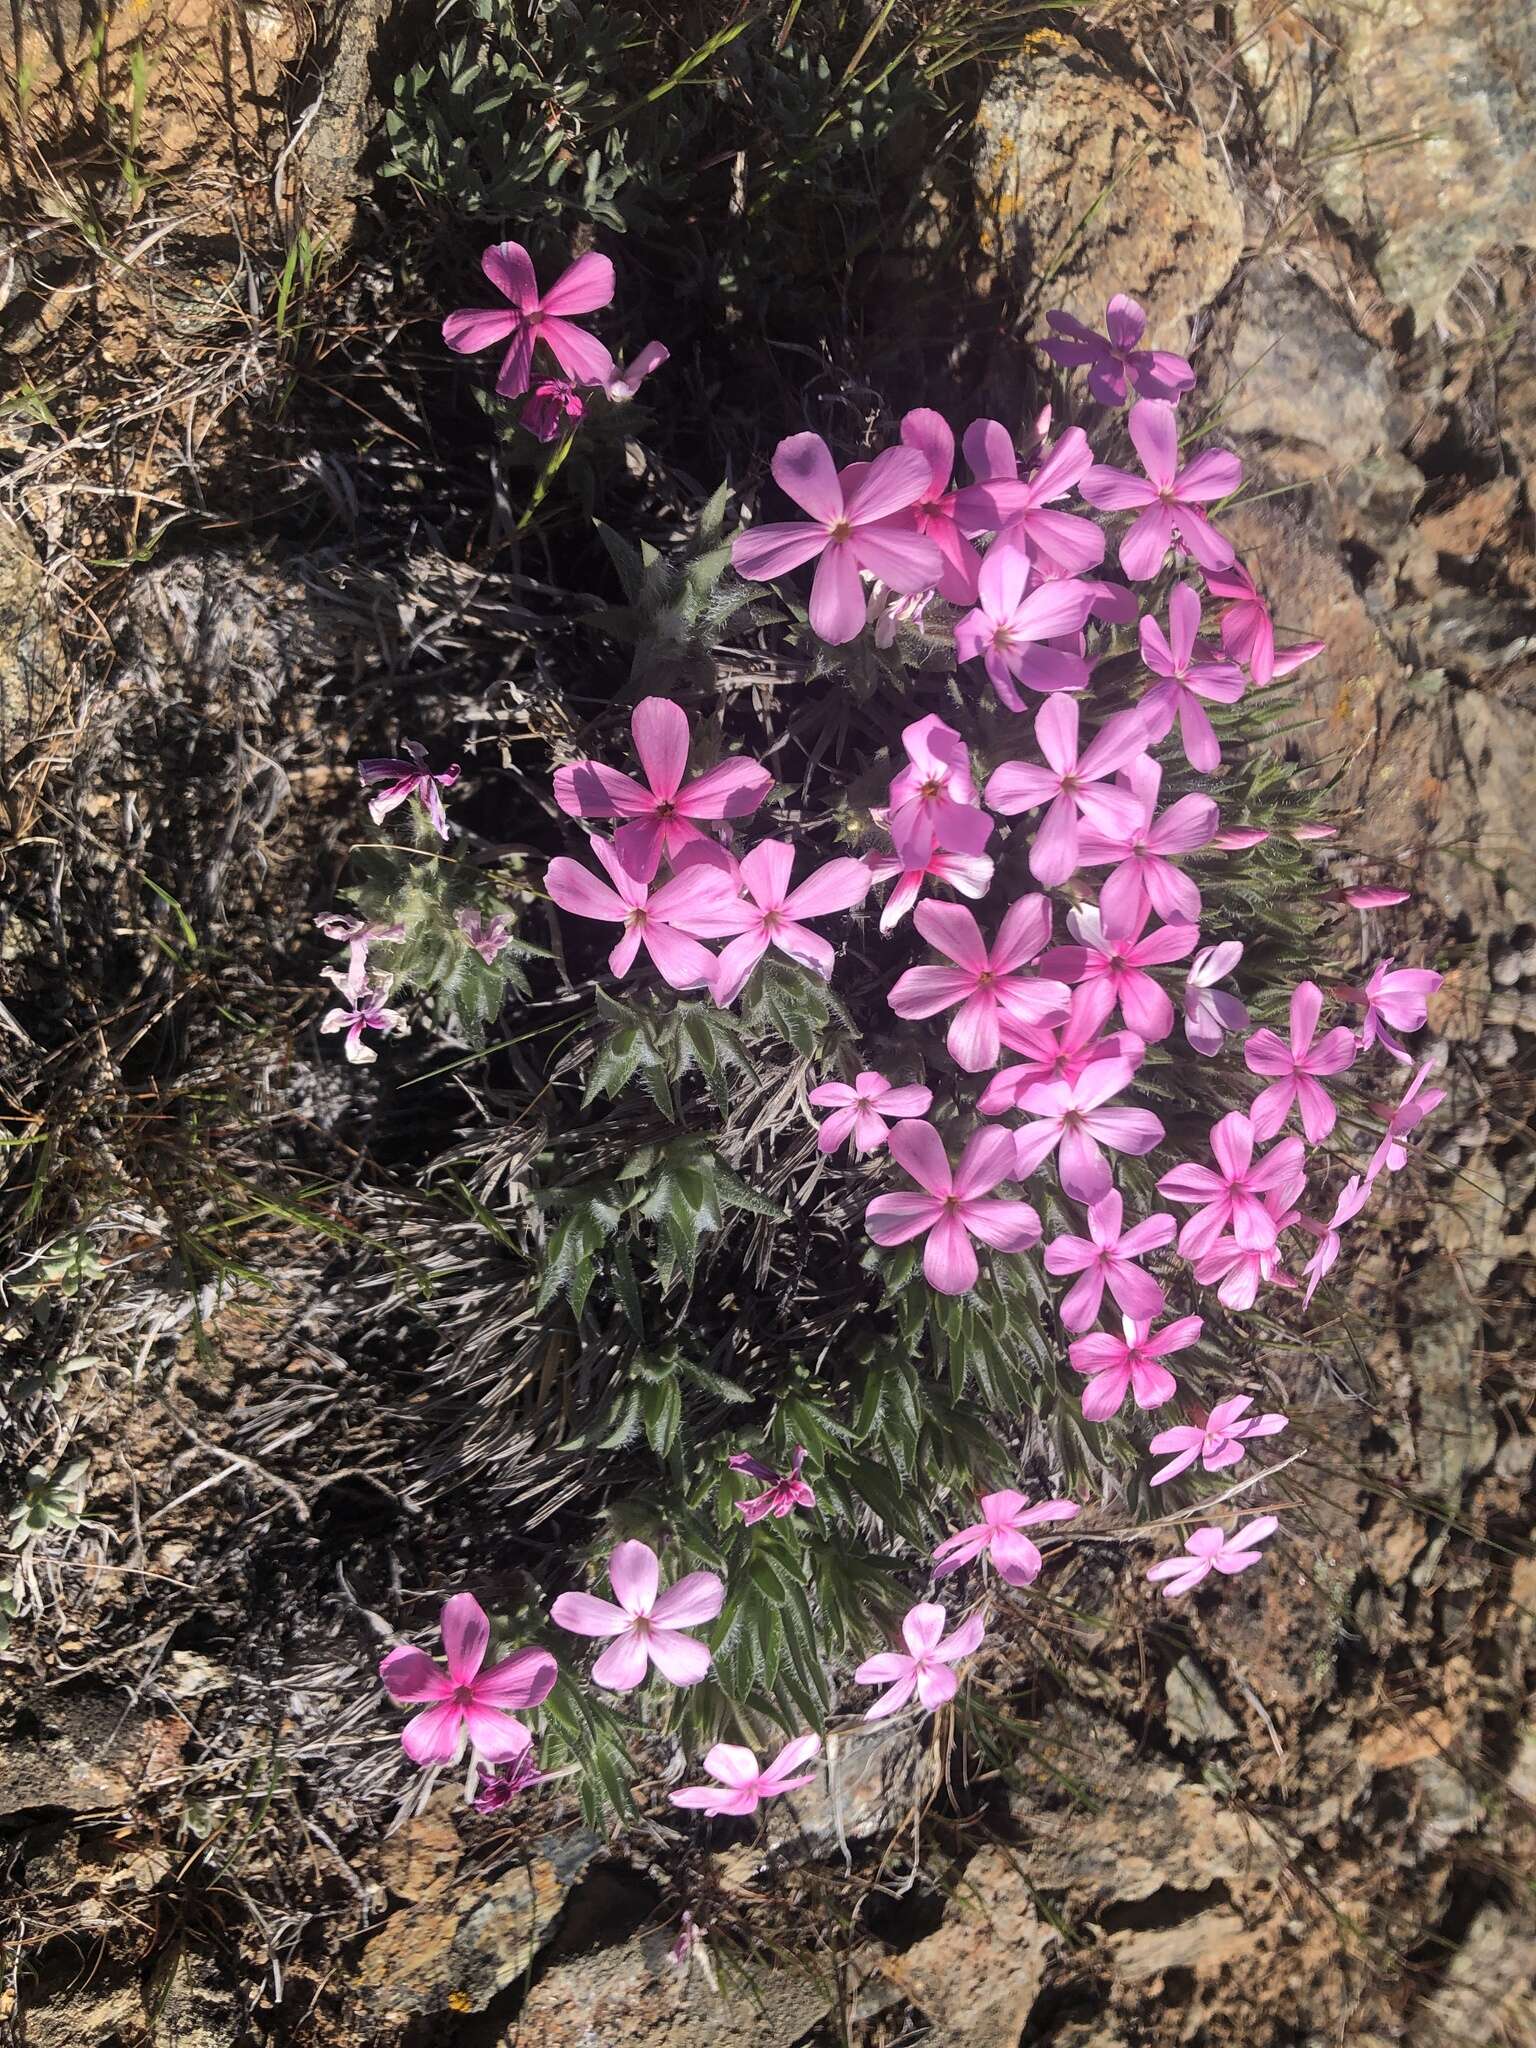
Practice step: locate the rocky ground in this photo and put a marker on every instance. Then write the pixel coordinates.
(1304, 1816)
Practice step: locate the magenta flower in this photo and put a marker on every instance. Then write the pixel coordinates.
(1107, 1257)
(1074, 783)
(1373, 897)
(363, 1011)
(358, 936)
(1193, 675)
(1015, 613)
(970, 874)
(661, 812)
(1248, 631)
(1000, 1535)
(866, 1110)
(1117, 359)
(1230, 1196)
(934, 513)
(489, 937)
(1211, 1549)
(663, 920)
(1209, 1012)
(1073, 1115)
(1133, 1363)
(773, 914)
(741, 1785)
(955, 1205)
(1056, 1054)
(1353, 1196)
(786, 1490)
(551, 402)
(1144, 875)
(582, 288)
(1169, 499)
(647, 1625)
(466, 1701)
(928, 1667)
(1296, 1067)
(1114, 966)
(1237, 1271)
(1021, 506)
(407, 779)
(851, 527)
(498, 1788)
(1395, 997)
(621, 385)
(1391, 1155)
(986, 984)
(1217, 1442)
(933, 799)
(1239, 839)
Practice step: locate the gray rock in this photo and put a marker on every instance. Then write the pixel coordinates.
(1497, 1048)
(1194, 1708)
(876, 1773)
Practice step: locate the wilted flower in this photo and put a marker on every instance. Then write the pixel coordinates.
(499, 1787)
(489, 937)
(551, 402)
(407, 779)
(363, 1010)
(786, 1490)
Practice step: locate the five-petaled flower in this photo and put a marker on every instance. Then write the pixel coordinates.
(1229, 1196)
(1217, 1442)
(742, 1784)
(363, 1010)
(1111, 960)
(1297, 1068)
(1168, 500)
(955, 1205)
(769, 913)
(471, 1701)
(488, 936)
(647, 1625)
(664, 920)
(1130, 1364)
(933, 799)
(1107, 1257)
(1072, 1119)
(1193, 675)
(403, 780)
(1144, 874)
(531, 317)
(1116, 358)
(1000, 1535)
(986, 983)
(865, 1111)
(1074, 783)
(1016, 614)
(927, 1668)
(1396, 999)
(1212, 1550)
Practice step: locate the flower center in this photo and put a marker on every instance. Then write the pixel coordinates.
(840, 530)
(930, 789)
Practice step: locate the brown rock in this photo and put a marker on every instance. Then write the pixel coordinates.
(978, 1974)
(86, 1759)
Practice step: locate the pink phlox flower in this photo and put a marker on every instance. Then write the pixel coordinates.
(1353, 1196)
(865, 1111)
(933, 799)
(1308, 833)
(647, 1625)
(1209, 1012)
(1391, 1155)
(531, 317)
(1000, 1535)
(1237, 1271)
(854, 525)
(1116, 359)
(489, 936)
(1168, 500)
(664, 920)
(1191, 672)
(1239, 839)
(1074, 783)
(742, 1784)
(358, 936)
(407, 779)
(621, 385)
(1144, 874)
(934, 512)
(364, 1010)
(1073, 1116)
(1231, 1194)
(889, 609)
(927, 1668)
(661, 812)
(1107, 1257)
(1395, 997)
(1220, 1440)
(969, 874)
(1212, 1549)
(1132, 1363)
(498, 1788)
(986, 983)
(1022, 508)
(689, 1947)
(1248, 630)
(1056, 1054)
(467, 1701)
(786, 1490)
(955, 1205)
(1370, 897)
(771, 914)
(1113, 962)
(1297, 1067)
(1015, 615)
(551, 402)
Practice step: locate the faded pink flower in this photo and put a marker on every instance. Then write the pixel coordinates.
(1073, 1115)
(466, 1702)
(969, 874)
(1230, 1195)
(1297, 1067)
(1216, 1442)
(786, 1490)
(531, 317)
(363, 1010)
(1113, 964)
(933, 799)
(1391, 1155)
(1369, 897)
(1015, 613)
(489, 936)
(621, 385)
(1107, 1257)
(852, 527)
(551, 402)
(646, 1625)
(1056, 1054)
(955, 1205)
(1074, 784)
(865, 1111)
(986, 983)
(1021, 507)
(1144, 874)
(1353, 1196)
(1116, 358)
(1239, 839)
(934, 513)
(772, 914)
(662, 920)
(358, 936)
(1248, 631)
(1132, 1363)
(741, 1784)
(1211, 1549)
(498, 1788)
(660, 813)
(927, 1668)
(1193, 675)
(407, 779)
(1395, 997)
(1000, 1535)
(1237, 1271)
(1169, 499)
(1209, 1012)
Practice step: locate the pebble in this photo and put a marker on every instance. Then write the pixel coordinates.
(1506, 967)
(1528, 964)
(1497, 1047)
(1474, 1133)
(1527, 1017)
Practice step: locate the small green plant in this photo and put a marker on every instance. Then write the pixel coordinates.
(49, 1500)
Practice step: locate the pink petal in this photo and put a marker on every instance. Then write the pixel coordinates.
(972, 1039)
(839, 885)
(952, 930)
(436, 1736)
(893, 1219)
(634, 1572)
(1124, 321)
(582, 356)
(1006, 1226)
(904, 561)
(466, 1632)
(1214, 473)
(510, 269)
(579, 891)
(525, 1679)
(837, 596)
(893, 1701)
(936, 1685)
(1020, 786)
(681, 1659)
(623, 1665)
(929, 432)
(804, 470)
(694, 1599)
(1154, 431)
(896, 479)
(1116, 490)
(478, 327)
(660, 730)
(584, 1615)
(764, 552)
(680, 961)
(410, 1677)
(732, 789)
(495, 1736)
(919, 1150)
(586, 286)
(949, 1258)
(1145, 544)
(924, 991)
(987, 1159)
